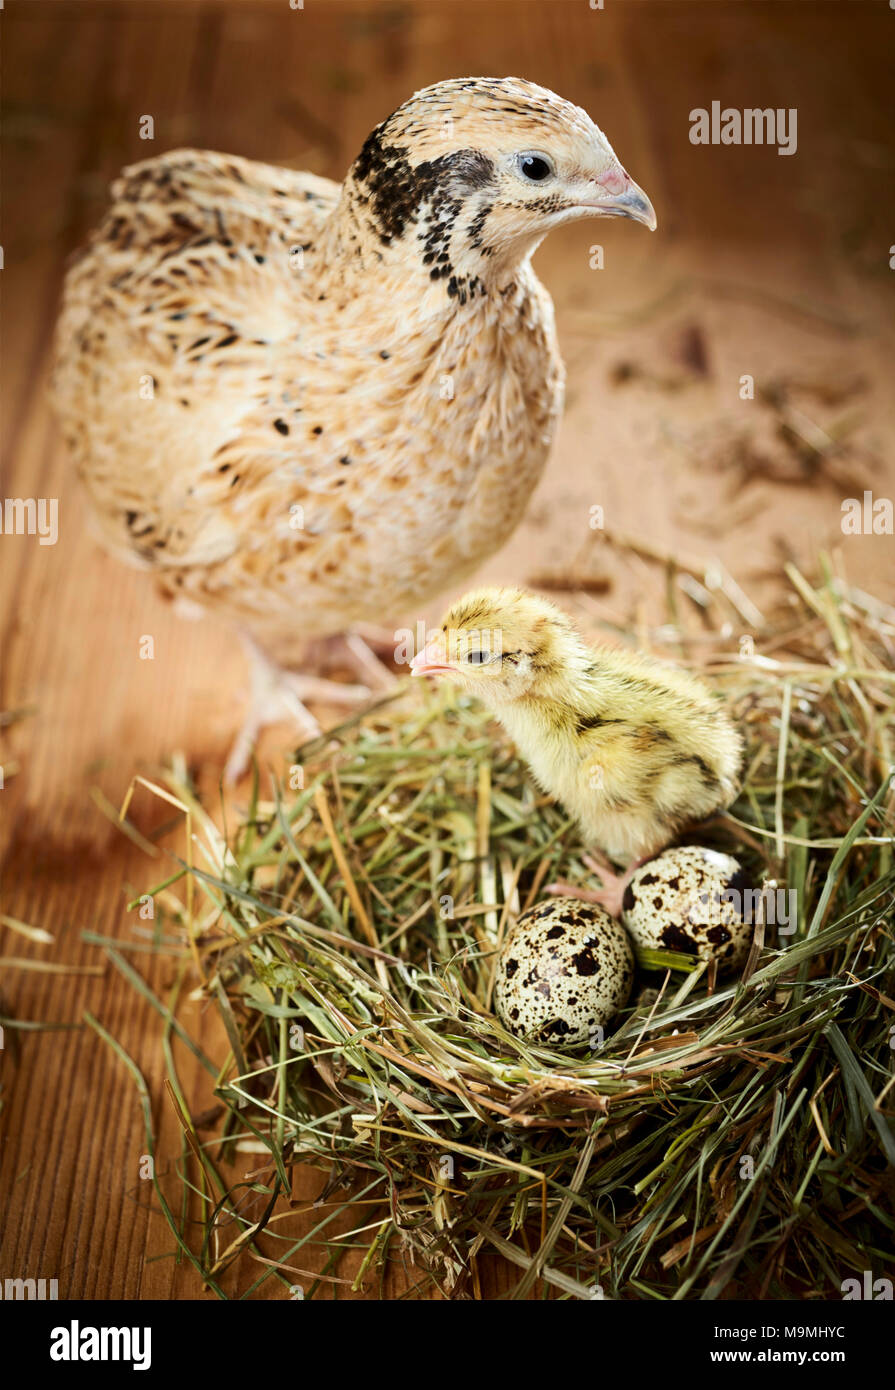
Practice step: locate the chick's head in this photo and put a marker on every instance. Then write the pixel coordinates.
(473, 173)
(500, 644)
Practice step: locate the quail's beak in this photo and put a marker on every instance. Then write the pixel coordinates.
(431, 661)
(615, 194)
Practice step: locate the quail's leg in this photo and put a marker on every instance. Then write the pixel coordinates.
(278, 696)
(359, 654)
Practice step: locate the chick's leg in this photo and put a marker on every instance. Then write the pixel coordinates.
(278, 696)
(612, 894)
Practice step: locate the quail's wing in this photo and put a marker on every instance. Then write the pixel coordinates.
(167, 347)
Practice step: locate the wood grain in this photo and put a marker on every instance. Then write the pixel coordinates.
(761, 251)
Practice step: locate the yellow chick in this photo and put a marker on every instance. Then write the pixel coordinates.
(633, 748)
(308, 405)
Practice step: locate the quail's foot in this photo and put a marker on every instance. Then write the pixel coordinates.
(279, 696)
(359, 652)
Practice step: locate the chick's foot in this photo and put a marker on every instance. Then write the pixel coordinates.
(612, 894)
(278, 696)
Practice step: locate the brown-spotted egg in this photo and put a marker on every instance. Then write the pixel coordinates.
(565, 969)
(691, 900)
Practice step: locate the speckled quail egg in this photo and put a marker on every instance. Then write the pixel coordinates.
(691, 900)
(565, 969)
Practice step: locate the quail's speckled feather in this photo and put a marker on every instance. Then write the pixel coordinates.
(635, 749)
(354, 387)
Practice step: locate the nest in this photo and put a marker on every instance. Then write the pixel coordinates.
(730, 1138)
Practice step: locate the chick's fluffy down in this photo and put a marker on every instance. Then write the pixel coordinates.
(634, 748)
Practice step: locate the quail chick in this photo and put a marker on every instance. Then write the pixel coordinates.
(307, 405)
(633, 748)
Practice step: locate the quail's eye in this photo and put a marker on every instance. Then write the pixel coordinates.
(477, 658)
(535, 167)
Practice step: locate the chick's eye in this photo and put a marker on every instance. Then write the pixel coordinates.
(477, 658)
(535, 167)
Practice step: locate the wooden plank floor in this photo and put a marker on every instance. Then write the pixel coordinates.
(781, 264)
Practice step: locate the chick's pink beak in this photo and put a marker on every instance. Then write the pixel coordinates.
(430, 661)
